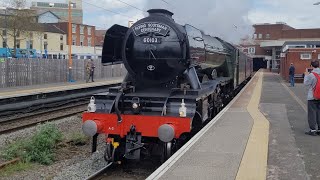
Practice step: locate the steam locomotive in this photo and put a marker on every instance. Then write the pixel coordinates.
(178, 79)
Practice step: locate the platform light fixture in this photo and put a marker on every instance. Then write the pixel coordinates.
(317, 3)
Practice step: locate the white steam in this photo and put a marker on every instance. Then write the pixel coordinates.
(227, 19)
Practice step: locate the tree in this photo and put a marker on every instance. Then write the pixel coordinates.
(18, 21)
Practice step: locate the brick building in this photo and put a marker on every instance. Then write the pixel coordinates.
(300, 53)
(268, 39)
(82, 40)
(99, 37)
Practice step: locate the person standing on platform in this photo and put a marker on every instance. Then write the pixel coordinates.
(291, 74)
(92, 69)
(310, 81)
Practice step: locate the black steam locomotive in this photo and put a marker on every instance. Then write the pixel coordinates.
(178, 79)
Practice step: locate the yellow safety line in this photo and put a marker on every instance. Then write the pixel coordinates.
(303, 105)
(60, 88)
(254, 161)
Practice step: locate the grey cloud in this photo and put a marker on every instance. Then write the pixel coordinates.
(296, 13)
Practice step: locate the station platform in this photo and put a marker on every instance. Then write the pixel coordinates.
(259, 135)
(54, 87)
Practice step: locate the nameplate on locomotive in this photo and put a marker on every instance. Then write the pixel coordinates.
(151, 27)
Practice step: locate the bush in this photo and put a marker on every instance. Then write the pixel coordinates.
(39, 148)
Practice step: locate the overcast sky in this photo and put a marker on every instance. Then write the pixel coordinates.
(216, 17)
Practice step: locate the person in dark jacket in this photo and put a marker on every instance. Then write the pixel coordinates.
(291, 74)
(92, 70)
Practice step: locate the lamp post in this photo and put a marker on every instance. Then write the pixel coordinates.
(6, 30)
(69, 41)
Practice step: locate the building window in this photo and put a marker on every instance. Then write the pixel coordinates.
(45, 36)
(318, 56)
(18, 44)
(81, 29)
(89, 41)
(311, 46)
(81, 40)
(260, 36)
(74, 28)
(251, 50)
(45, 45)
(255, 36)
(89, 30)
(29, 44)
(4, 32)
(305, 56)
(267, 36)
(61, 47)
(74, 39)
(61, 38)
(297, 46)
(4, 43)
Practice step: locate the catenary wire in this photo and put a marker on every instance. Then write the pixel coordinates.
(131, 5)
(130, 18)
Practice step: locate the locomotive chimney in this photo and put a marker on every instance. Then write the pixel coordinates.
(160, 12)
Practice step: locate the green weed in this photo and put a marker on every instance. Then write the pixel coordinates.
(17, 167)
(78, 139)
(39, 148)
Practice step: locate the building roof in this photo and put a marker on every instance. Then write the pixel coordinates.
(44, 28)
(272, 43)
(40, 12)
(52, 28)
(65, 22)
(11, 11)
(303, 41)
(283, 25)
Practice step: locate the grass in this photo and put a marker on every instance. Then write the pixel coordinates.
(10, 169)
(39, 148)
(78, 139)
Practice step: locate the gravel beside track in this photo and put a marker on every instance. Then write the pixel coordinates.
(81, 163)
(67, 126)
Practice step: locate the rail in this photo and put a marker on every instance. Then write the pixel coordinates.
(100, 172)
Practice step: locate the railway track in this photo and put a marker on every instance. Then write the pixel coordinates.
(99, 173)
(21, 112)
(129, 170)
(17, 122)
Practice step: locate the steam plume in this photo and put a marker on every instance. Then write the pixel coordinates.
(227, 19)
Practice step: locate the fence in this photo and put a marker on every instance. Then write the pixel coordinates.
(25, 72)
